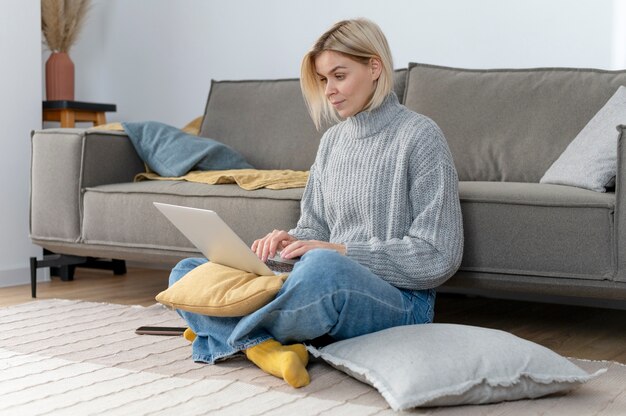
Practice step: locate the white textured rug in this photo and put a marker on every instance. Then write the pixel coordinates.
(61, 357)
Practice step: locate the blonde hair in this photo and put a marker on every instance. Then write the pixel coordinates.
(359, 39)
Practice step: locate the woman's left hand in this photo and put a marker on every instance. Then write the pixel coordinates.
(299, 247)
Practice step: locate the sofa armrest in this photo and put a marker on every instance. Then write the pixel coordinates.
(620, 206)
(63, 163)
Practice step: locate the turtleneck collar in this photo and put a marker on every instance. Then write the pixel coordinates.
(368, 123)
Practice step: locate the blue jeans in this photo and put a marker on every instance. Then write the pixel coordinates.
(325, 294)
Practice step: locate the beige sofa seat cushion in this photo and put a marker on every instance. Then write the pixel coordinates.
(539, 230)
(509, 227)
(123, 214)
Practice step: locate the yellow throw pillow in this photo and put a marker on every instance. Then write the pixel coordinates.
(215, 290)
(193, 127)
(116, 126)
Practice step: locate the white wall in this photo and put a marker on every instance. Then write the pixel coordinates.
(20, 112)
(155, 58)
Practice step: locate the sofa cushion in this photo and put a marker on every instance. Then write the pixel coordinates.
(590, 160)
(266, 121)
(123, 214)
(448, 364)
(512, 228)
(508, 124)
(216, 290)
(538, 230)
(169, 151)
(271, 112)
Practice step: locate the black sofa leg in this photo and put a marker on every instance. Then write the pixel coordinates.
(119, 267)
(64, 265)
(66, 273)
(33, 277)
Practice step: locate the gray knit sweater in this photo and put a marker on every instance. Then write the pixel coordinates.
(384, 184)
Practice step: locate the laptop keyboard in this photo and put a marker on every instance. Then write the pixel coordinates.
(279, 267)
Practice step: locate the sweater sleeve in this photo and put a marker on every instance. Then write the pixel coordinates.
(431, 252)
(311, 225)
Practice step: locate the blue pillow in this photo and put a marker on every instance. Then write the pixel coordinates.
(169, 151)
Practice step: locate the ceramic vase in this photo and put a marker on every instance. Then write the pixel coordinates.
(59, 77)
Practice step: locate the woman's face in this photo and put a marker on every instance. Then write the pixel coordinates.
(349, 84)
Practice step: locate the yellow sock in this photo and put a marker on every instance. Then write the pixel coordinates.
(189, 335)
(284, 361)
(300, 351)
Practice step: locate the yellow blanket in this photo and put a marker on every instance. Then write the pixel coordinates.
(248, 179)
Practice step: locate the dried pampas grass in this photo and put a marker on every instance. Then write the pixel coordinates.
(61, 21)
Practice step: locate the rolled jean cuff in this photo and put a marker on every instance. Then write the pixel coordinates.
(213, 358)
(236, 349)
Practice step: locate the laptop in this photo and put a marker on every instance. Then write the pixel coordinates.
(218, 242)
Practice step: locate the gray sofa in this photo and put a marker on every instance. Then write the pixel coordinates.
(504, 128)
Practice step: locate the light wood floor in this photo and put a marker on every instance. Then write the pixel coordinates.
(572, 331)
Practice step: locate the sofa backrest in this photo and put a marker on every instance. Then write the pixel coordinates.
(508, 124)
(267, 121)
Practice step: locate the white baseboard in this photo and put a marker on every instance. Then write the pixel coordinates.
(21, 276)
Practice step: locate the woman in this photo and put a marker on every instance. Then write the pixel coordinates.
(380, 226)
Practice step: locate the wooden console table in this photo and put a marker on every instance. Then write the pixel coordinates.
(70, 112)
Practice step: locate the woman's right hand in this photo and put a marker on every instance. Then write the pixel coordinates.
(267, 246)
